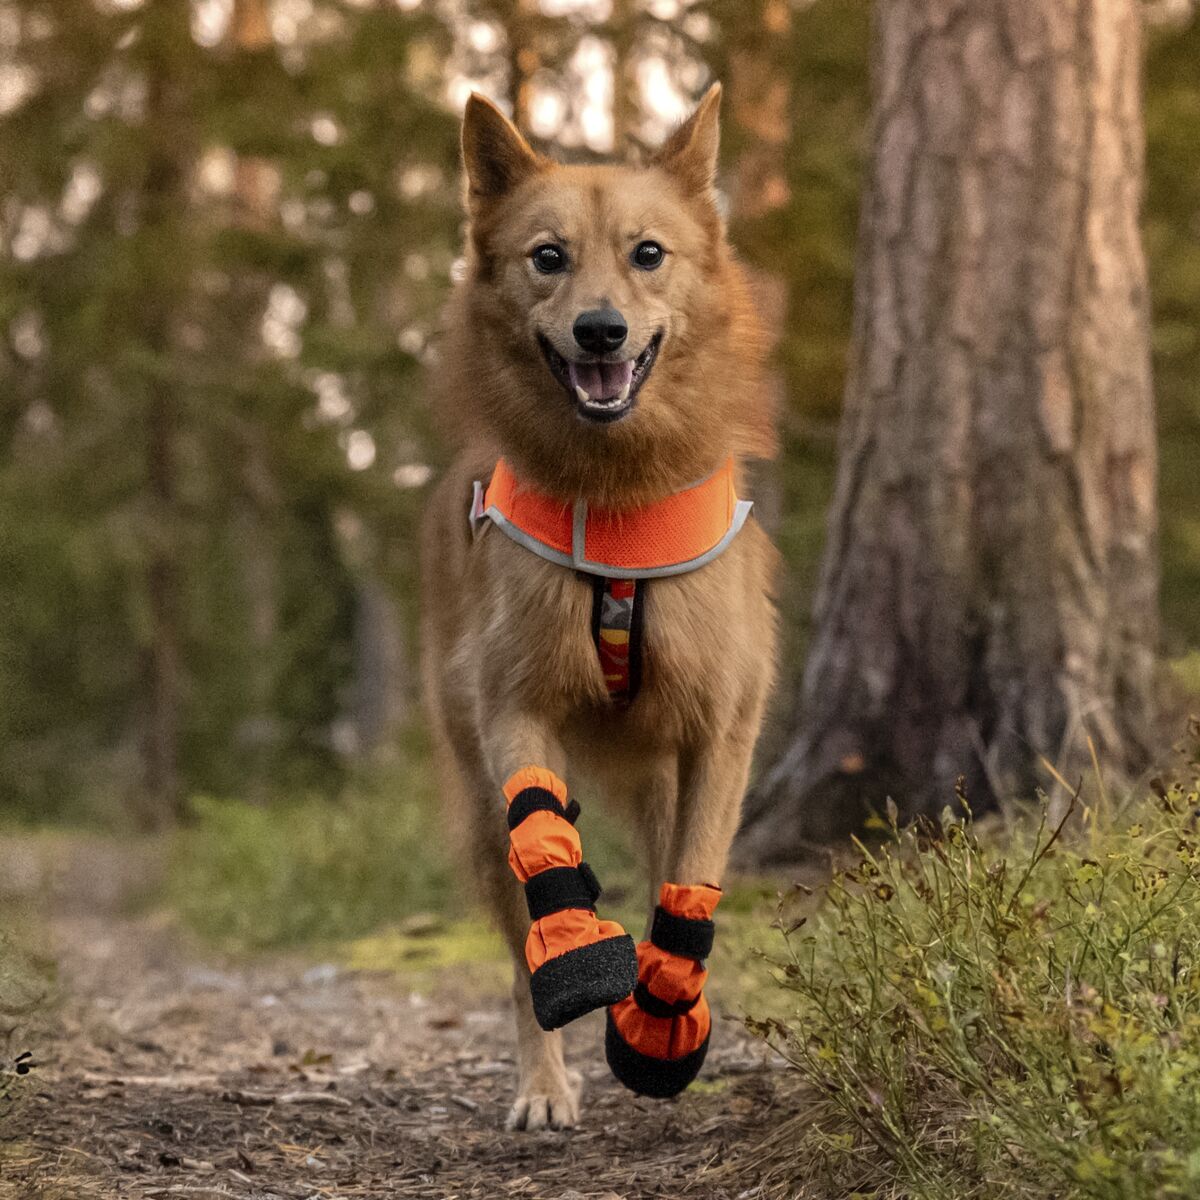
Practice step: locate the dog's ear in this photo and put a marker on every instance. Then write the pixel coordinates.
(690, 153)
(495, 155)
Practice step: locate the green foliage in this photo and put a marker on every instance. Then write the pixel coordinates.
(166, 194)
(467, 953)
(222, 262)
(313, 869)
(983, 1017)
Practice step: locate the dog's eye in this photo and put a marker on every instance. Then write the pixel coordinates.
(648, 255)
(549, 259)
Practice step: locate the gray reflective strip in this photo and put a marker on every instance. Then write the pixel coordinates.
(579, 531)
(527, 540)
(476, 514)
(605, 570)
(740, 513)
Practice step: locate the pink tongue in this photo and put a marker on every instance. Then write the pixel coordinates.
(601, 381)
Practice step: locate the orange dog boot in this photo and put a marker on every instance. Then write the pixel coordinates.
(657, 1038)
(577, 962)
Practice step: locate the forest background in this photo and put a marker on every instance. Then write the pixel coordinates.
(228, 228)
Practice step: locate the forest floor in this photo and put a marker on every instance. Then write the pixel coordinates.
(165, 1069)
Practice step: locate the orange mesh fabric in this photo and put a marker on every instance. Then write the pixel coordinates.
(538, 515)
(670, 531)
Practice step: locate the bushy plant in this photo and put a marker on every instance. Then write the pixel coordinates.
(983, 1016)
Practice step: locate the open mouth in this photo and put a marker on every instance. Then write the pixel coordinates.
(602, 391)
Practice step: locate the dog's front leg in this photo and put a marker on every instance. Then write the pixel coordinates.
(657, 1039)
(548, 1094)
(567, 961)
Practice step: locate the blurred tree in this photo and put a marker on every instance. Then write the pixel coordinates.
(157, 193)
(525, 36)
(989, 587)
(756, 44)
(1173, 245)
(626, 98)
(798, 102)
(226, 234)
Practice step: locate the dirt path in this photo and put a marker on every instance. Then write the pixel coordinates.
(167, 1072)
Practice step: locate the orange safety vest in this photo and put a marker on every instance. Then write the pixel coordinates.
(671, 536)
(618, 548)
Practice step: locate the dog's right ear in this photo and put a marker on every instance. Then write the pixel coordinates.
(495, 155)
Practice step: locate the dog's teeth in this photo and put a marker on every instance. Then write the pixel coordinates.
(624, 394)
(584, 398)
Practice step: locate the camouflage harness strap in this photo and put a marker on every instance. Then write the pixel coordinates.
(617, 606)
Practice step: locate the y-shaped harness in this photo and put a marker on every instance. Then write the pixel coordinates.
(618, 550)
(658, 1020)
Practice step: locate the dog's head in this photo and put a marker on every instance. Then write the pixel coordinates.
(606, 310)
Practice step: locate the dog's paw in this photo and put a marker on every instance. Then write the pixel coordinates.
(549, 1101)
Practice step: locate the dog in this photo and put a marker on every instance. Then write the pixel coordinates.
(596, 603)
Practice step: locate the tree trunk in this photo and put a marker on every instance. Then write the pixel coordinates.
(758, 114)
(378, 697)
(257, 183)
(163, 198)
(989, 588)
(162, 657)
(624, 31)
(524, 58)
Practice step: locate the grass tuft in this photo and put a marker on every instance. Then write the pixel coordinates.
(24, 989)
(977, 1017)
(312, 870)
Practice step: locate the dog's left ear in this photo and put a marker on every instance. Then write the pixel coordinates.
(690, 153)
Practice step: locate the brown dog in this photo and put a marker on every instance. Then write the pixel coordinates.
(602, 345)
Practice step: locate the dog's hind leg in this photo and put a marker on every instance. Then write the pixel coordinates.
(657, 809)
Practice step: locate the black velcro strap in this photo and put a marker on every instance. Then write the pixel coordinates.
(535, 799)
(649, 1003)
(689, 937)
(590, 881)
(552, 890)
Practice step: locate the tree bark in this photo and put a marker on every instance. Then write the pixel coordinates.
(989, 586)
(623, 33)
(758, 113)
(524, 58)
(163, 199)
(257, 182)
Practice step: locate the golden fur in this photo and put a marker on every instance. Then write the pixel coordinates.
(510, 670)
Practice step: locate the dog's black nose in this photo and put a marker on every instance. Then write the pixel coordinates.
(600, 330)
